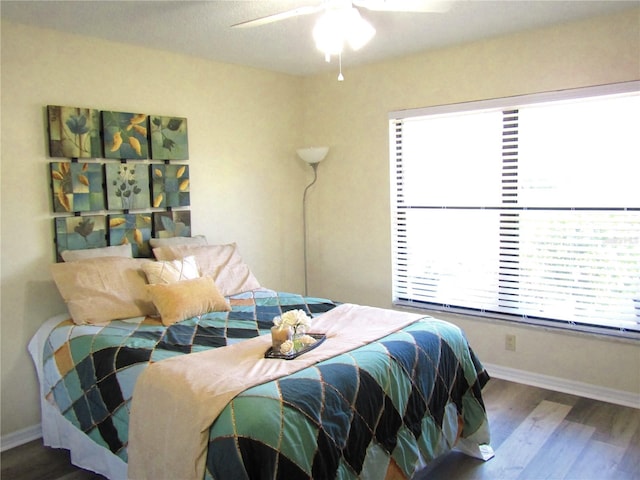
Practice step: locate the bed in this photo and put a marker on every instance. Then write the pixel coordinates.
(381, 406)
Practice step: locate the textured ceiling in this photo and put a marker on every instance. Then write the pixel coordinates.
(203, 28)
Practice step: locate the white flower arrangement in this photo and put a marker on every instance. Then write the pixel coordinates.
(287, 347)
(306, 340)
(298, 320)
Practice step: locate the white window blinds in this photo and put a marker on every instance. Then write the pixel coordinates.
(523, 210)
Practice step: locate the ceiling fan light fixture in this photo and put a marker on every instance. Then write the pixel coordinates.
(340, 25)
(328, 33)
(360, 32)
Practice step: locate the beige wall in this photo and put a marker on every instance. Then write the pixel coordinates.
(246, 182)
(244, 126)
(350, 251)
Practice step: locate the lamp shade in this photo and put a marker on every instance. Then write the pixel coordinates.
(313, 154)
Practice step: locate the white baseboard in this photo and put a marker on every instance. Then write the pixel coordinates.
(15, 439)
(581, 389)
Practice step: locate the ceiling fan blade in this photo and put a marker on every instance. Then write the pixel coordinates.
(411, 6)
(296, 12)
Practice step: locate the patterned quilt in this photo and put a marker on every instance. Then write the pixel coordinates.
(390, 406)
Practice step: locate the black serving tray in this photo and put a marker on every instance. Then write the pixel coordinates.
(320, 337)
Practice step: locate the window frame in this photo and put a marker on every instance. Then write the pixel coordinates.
(506, 103)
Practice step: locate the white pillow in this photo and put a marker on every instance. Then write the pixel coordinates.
(113, 251)
(171, 271)
(222, 262)
(165, 242)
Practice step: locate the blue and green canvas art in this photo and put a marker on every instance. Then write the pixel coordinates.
(176, 223)
(127, 186)
(170, 185)
(133, 229)
(125, 135)
(169, 138)
(74, 132)
(80, 232)
(77, 187)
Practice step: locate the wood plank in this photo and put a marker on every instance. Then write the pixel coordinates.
(515, 453)
(599, 461)
(630, 463)
(454, 465)
(614, 424)
(558, 455)
(508, 404)
(33, 461)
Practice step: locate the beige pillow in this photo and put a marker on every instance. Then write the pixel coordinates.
(222, 262)
(113, 251)
(186, 299)
(98, 290)
(165, 242)
(171, 271)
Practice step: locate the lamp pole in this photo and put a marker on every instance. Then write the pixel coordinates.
(304, 223)
(313, 156)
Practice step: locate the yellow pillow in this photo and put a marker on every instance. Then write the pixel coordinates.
(185, 299)
(171, 271)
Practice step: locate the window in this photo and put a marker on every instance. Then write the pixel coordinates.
(524, 208)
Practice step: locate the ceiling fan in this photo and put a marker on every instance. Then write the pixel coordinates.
(409, 6)
(342, 23)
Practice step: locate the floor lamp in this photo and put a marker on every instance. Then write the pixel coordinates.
(313, 156)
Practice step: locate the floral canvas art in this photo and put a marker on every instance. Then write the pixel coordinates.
(134, 229)
(169, 138)
(176, 223)
(127, 186)
(77, 187)
(170, 185)
(125, 135)
(74, 132)
(76, 233)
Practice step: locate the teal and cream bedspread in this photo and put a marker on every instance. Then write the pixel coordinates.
(385, 409)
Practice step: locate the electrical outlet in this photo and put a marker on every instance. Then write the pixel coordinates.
(510, 342)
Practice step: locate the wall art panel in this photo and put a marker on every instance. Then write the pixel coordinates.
(80, 232)
(77, 187)
(169, 138)
(127, 186)
(170, 185)
(132, 228)
(74, 132)
(125, 135)
(176, 223)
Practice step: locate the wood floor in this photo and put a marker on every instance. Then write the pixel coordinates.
(536, 434)
(539, 434)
